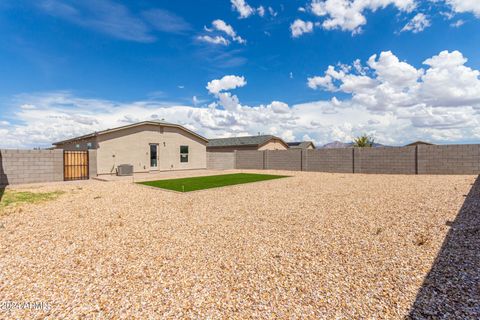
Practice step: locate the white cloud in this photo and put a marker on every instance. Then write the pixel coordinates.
(261, 11)
(299, 27)
(418, 23)
(287, 135)
(272, 12)
(279, 107)
(457, 24)
(446, 95)
(386, 97)
(228, 82)
(243, 9)
(462, 6)
(348, 15)
(221, 26)
(214, 40)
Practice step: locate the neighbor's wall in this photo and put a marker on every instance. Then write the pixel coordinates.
(30, 166)
(132, 146)
(422, 159)
(220, 160)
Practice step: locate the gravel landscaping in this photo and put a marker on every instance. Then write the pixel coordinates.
(315, 245)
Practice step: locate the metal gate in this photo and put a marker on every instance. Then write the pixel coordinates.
(75, 165)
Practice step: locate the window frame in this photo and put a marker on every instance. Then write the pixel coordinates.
(184, 155)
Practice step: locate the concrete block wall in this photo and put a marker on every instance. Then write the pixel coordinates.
(399, 160)
(422, 159)
(29, 166)
(283, 160)
(220, 160)
(449, 159)
(329, 160)
(250, 160)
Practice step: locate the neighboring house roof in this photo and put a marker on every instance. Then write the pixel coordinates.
(416, 143)
(157, 123)
(301, 145)
(242, 141)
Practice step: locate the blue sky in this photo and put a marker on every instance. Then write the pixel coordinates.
(71, 67)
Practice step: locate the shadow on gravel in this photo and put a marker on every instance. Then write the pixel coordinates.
(451, 289)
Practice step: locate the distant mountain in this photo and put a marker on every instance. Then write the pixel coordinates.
(339, 144)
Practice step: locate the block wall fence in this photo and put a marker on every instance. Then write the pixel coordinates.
(422, 159)
(220, 160)
(31, 166)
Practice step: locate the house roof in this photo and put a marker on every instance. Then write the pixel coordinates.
(300, 145)
(133, 125)
(419, 142)
(241, 141)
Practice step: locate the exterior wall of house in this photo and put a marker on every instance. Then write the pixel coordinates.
(132, 146)
(273, 144)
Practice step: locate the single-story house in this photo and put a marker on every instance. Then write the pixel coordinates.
(305, 145)
(147, 146)
(264, 142)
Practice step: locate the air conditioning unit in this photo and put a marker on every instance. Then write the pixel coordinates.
(125, 170)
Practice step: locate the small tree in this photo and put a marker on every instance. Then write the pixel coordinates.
(363, 141)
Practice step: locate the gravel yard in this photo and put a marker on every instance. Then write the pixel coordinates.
(315, 245)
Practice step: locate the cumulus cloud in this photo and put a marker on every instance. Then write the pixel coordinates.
(224, 28)
(348, 15)
(214, 40)
(279, 107)
(245, 10)
(389, 98)
(435, 98)
(299, 27)
(242, 7)
(418, 23)
(462, 6)
(226, 83)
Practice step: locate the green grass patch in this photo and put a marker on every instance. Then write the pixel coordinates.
(10, 198)
(208, 182)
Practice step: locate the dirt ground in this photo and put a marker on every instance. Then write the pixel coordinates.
(315, 245)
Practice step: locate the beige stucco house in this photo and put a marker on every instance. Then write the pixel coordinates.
(263, 142)
(147, 146)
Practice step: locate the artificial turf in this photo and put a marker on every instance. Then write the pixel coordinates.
(208, 182)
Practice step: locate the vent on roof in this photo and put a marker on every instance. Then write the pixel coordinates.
(125, 170)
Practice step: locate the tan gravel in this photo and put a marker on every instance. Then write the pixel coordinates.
(316, 245)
